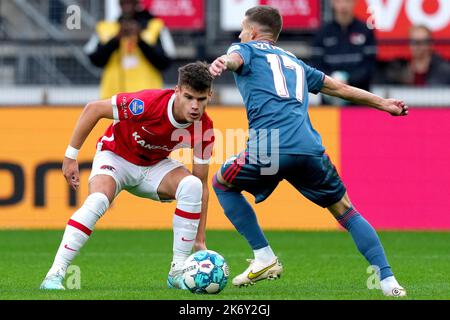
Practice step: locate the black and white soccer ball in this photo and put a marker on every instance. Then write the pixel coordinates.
(205, 271)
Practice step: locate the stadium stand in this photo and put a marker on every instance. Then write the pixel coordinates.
(42, 60)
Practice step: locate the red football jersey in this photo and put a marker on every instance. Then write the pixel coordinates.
(144, 131)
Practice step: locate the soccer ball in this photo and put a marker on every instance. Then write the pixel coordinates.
(205, 271)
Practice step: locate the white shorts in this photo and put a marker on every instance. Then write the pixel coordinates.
(138, 180)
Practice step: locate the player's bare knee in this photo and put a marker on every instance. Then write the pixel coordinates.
(345, 202)
(189, 190)
(103, 184)
(340, 207)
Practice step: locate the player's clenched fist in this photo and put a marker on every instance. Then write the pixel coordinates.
(218, 66)
(396, 107)
(71, 173)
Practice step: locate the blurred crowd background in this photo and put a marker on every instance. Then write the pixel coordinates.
(72, 51)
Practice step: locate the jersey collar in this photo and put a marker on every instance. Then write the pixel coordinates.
(266, 41)
(170, 114)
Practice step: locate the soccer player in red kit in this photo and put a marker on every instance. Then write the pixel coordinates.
(133, 155)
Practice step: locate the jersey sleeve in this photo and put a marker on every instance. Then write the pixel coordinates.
(314, 78)
(132, 106)
(245, 52)
(203, 145)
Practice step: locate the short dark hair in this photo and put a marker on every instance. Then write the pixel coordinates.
(269, 18)
(421, 27)
(196, 76)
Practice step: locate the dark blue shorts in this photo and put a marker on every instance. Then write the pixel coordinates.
(313, 176)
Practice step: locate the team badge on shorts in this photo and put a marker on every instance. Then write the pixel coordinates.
(136, 107)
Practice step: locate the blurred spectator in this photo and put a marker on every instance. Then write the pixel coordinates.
(425, 68)
(345, 49)
(133, 51)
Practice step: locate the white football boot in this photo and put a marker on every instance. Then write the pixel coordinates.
(258, 271)
(53, 282)
(391, 288)
(175, 278)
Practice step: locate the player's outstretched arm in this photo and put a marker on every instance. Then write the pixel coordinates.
(201, 172)
(232, 61)
(92, 113)
(339, 89)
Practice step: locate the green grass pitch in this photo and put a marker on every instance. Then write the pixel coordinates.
(134, 265)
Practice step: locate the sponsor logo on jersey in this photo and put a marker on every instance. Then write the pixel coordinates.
(149, 146)
(136, 107)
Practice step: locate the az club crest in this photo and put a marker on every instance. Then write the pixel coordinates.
(136, 107)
